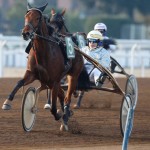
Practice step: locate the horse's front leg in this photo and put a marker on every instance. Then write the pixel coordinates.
(71, 88)
(54, 94)
(28, 78)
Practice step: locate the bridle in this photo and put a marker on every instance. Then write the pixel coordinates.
(30, 24)
(59, 21)
(36, 30)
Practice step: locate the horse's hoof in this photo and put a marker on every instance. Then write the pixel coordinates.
(58, 117)
(76, 106)
(64, 127)
(59, 112)
(47, 106)
(6, 107)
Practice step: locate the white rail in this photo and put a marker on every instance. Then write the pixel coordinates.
(131, 54)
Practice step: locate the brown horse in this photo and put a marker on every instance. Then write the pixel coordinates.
(57, 21)
(46, 64)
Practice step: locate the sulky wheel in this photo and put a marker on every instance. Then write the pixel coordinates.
(132, 89)
(29, 109)
(126, 104)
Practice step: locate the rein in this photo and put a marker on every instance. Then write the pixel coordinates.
(35, 53)
(46, 39)
(63, 25)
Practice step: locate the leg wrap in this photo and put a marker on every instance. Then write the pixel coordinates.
(66, 114)
(17, 87)
(80, 98)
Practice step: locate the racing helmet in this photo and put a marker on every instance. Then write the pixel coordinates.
(94, 34)
(100, 26)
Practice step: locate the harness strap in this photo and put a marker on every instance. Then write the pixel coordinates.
(34, 52)
(46, 39)
(35, 57)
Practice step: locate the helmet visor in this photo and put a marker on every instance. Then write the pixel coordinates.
(93, 40)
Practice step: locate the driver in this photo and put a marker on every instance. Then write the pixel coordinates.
(95, 50)
(108, 43)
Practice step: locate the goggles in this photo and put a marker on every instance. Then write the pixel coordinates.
(93, 41)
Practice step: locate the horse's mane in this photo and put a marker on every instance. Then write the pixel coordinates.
(50, 28)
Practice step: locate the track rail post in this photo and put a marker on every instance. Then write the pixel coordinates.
(128, 128)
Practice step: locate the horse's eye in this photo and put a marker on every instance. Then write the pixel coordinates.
(37, 19)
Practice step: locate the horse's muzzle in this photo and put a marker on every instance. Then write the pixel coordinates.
(26, 36)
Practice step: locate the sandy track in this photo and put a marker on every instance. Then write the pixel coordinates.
(92, 127)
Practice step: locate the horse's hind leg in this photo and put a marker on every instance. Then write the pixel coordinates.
(78, 103)
(48, 104)
(28, 78)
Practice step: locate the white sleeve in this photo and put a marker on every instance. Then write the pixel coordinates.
(105, 59)
(112, 47)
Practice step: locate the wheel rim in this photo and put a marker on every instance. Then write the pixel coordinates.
(132, 89)
(125, 109)
(29, 111)
(126, 104)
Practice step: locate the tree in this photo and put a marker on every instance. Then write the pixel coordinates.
(118, 6)
(15, 16)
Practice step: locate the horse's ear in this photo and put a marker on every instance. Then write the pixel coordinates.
(63, 12)
(53, 11)
(43, 7)
(29, 6)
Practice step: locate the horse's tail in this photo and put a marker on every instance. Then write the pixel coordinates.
(41, 72)
(83, 80)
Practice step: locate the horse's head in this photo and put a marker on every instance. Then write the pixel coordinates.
(57, 20)
(33, 19)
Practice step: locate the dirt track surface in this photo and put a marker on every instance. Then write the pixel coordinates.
(92, 127)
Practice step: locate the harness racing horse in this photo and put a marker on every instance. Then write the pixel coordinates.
(46, 64)
(57, 21)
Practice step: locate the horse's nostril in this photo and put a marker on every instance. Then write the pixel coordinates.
(27, 34)
(23, 34)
